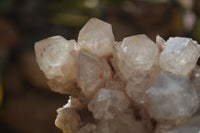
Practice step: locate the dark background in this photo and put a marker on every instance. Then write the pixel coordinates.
(27, 105)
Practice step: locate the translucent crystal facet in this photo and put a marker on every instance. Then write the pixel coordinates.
(97, 37)
(57, 58)
(53, 54)
(179, 56)
(107, 103)
(136, 54)
(92, 73)
(172, 97)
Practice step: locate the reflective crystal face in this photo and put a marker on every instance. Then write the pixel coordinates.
(172, 97)
(136, 54)
(179, 56)
(97, 37)
(56, 57)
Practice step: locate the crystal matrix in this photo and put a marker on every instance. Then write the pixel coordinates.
(132, 86)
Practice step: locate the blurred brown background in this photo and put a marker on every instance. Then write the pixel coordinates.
(27, 105)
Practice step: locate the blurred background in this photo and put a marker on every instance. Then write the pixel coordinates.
(26, 103)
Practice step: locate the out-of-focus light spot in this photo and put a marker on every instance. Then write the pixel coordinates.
(189, 20)
(91, 3)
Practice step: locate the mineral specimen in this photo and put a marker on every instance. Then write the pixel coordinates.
(132, 86)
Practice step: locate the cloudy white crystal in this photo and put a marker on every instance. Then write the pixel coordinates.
(97, 37)
(172, 97)
(56, 57)
(179, 56)
(136, 54)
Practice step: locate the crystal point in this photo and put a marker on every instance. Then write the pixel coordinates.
(179, 56)
(97, 37)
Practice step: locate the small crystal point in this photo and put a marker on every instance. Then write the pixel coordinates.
(97, 37)
(179, 56)
(160, 42)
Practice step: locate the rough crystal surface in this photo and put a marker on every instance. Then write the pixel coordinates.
(171, 97)
(56, 57)
(92, 73)
(179, 56)
(122, 123)
(97, 37)
(67, 120)
(136, 54)
(137, 86)
(107, 103)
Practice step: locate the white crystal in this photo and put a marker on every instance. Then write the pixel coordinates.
(136, 54)
(107, 103)
(172, 97)
(179, 56)
(93, 72)
(56, 57)
(97, 37)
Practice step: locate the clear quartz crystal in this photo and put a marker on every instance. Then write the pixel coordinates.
(57, 58)
(136, 54)
(179, 56)
(55, 54)
(172, 97)
(92, 73)
(97, 37)
(107, 103)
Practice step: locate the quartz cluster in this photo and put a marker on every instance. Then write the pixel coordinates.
(131, 86)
